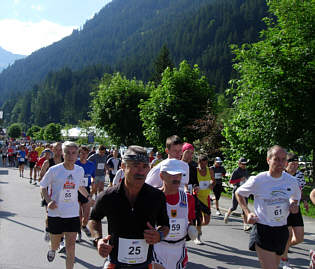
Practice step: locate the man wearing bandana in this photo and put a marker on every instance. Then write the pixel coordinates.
(136, 215)
(171, 252)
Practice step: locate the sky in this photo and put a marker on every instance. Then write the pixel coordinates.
(28, 25)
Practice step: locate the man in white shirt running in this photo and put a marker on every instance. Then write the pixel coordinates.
(65, 180)
(174, 151)
(276, 194)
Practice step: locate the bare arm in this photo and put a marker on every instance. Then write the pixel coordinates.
(43, 169)
(251, 217)
(312, 196)
(50, 203)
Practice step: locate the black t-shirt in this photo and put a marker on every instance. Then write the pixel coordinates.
(237, 174)
(193, 180)
(127, 222)
(219, 172)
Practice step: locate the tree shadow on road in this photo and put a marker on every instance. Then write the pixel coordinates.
(227, 254)
(83, 263)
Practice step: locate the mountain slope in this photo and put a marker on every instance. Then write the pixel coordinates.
(127, 35)
(7, 58)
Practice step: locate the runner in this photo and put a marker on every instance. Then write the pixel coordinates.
(113, 164)
(99, 159)
(32, 157)
(238, 178)
(188, 152)
(203, 195)
(21, 154)
(133, 209)
(217, 173)
(50, 159)
(65, 180)
(276, 193)
(45, 156)
(4, 152)
(171, 251)
(157, 160)
(89, 175)
(295, 221)
(174, 151)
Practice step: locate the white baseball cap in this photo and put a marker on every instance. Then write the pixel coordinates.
(172, 166)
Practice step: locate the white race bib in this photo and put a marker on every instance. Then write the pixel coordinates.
(100, 165)
(203, 185)
(277, 212)
(132, 251)
(85, 181)
(21, 159)
(67, 195)
(177, 229)
(217, 175)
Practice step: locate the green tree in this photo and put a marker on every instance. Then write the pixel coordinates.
(182, 97)
(15, 130)
(33, 130)
(274, 96)
(115, 109)
(162, 61)
(52, 132)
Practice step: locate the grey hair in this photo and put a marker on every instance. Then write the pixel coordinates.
(271, 151)
(69, 144)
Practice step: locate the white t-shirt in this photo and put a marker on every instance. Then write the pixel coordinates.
(64, 185)
(118, 177)
(154, 179)
(272, 196)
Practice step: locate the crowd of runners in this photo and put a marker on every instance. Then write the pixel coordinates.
(165, 202)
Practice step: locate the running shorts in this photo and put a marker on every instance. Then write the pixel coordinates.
(295, 220)
(32, 164)
(21, 163)
(99, 179)
(217, 190)
(82, 199)
(170, 256)
(269, 238)
(57, 225)
(109, 265)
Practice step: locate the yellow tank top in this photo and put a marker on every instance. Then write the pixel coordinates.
(204, 186)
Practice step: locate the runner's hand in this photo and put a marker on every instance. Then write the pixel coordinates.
(151, 235)
(252, 218)
(52, 205)
(306, 205)
(103, 247)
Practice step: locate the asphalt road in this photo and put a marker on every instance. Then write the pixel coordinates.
(22, 231)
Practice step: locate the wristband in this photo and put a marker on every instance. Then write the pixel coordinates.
(161, 235)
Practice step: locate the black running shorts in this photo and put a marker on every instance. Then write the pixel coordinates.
(57, 225)
(32, 164)
(269, 238)
(295, 220)
(82, 199)
(217, 190)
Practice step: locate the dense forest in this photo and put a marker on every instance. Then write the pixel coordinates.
(126, 36)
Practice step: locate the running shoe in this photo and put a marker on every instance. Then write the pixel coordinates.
(285, 264)
(218, 213)
(226, 218)
(62, 247)
(31, 180)
(247, 227)
(87, 231)
(46, 236)
(51, 255)
(198, 241)
(79, 238)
